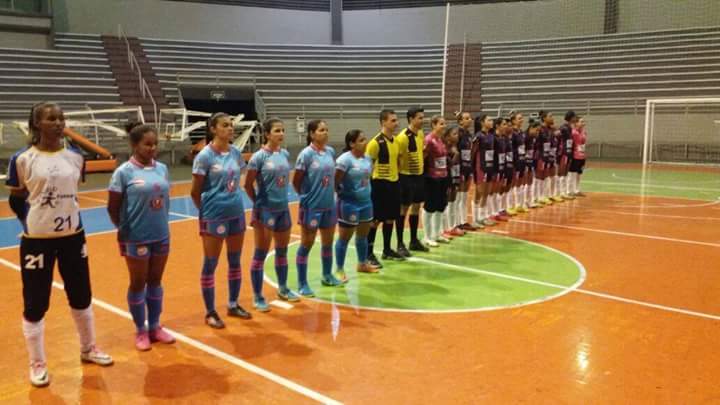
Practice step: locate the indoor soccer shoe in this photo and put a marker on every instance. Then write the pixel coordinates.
(367, 268)
(417, 246)
(430, 243)
(478, 225)
(512, 211)
(330, 281)
(238, 312)
(288, 295)
(39, 376)
(489, 222)
(580, 194)
(373, 261)
(457, 232)
(522, 209)
(161, 335)
(213, 320)
(567, 196)
(556, 198)
(534, 205)
(260, 304)
(96, 356)
(306, 291)
(342, 276)
(441, 239)
(447, 234)
(393, 255)
(402, 251)
(142, 341)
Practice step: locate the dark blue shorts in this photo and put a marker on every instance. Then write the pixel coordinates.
(353, 213)
(222, 228)
(144, 250)
(275, 220)
(314, 219)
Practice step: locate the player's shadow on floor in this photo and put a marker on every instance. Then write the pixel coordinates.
(184, 379)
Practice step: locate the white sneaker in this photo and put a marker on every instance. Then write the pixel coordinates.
(431, 243)
(442, 239)
(39, 376)
(95, 355)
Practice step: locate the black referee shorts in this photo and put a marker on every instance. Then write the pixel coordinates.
(38, 257)
(385, 196)
(412, 188)
(577, 166)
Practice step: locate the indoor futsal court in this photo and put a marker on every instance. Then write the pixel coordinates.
(355, 201)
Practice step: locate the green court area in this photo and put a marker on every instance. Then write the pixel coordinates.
(656, 181)
(475, 272)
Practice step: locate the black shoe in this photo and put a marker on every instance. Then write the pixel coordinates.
(213, 320)
(402, 251)
(392, 255)
(373, 261)
(238, 312)
(416, 245)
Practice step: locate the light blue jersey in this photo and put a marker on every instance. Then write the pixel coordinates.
(273, 170)
(318, 185)
(145, 202)
(355, 185)
(221, 196)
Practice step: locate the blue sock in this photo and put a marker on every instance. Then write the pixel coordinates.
(136, 304)
(256, 271)
(207, 282)
(281, 266)
(154, 298)
(361, 246)
(340, 252)
(326, 256)
(234, 277)
(301, 260)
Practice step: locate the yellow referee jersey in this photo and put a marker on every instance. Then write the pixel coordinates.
(410, 147)
(384, 154)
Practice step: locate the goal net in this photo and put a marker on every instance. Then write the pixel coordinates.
(682, 131)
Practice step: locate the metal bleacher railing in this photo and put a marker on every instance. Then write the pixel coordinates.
(135, 67)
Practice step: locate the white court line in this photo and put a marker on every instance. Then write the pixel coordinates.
(291, 385)
(708, 181)
(587, 292)
(629, 234)
(653, 215)
(613, 183)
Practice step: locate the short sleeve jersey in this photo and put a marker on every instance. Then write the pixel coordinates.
(530, 148)
(384, 154)
(465, 148)
(145, 201)
(436, 152)
(355, 184)
(485, 150)
(518, 145)
(317, 190)
(51, 179)
(273, 169)
(221, 196)
(410, 147)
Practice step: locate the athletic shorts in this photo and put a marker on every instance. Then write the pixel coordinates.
(563, 161)
(222, 228)
(386, 198)
(351, 213)
(520, 168)
(313, 218)
(412, 189)
(143, 250)
(436, 194)
(275, 220)
(37, 261)
(577, 166)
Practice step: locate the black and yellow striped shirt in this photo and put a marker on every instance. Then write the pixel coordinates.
(384, 153)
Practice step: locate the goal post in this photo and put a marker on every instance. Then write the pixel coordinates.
(682, 131)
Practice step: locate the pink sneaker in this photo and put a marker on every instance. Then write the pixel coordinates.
(160, 335)
(142, 341)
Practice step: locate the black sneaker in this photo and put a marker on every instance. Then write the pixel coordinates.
(213, 320)
(373, 261)
(402, 251)
(416, 245)
(392, 255)
(238, 312)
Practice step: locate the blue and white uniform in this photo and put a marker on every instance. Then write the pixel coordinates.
(354, 203)
(317, 191)
(222, 212)
(271, 192)
(143, 229)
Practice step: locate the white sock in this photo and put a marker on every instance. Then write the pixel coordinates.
(576, 184)
(446, 217)
(498, 202)
(462, 208)
(547, 187)
(514, 198)
(35, 340)
(436, 220)
(531, 191)
(427, 226)
(568, 182)
(508, 200)
(477, 214)
(451, 217)
(85, 324)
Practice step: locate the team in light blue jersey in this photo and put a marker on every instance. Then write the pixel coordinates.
(221, 211)
(143, 229)
(317, 194)
(354, 202)
(271, 195)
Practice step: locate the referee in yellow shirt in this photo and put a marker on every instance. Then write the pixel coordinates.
(412, 184)
(383, 150)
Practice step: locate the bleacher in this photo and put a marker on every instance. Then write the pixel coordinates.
(326, 81)
(605, 74)
(75, 78)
